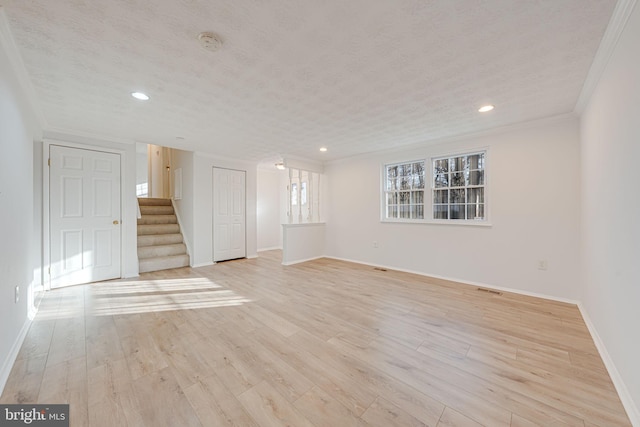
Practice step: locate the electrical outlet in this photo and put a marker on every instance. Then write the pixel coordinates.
(17, 294)
(542, 264)
(375, 244)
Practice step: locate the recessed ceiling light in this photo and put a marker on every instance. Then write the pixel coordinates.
(485, 108)
(141, 96)
(323, 149)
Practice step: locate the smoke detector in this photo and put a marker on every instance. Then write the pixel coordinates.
(210, 41)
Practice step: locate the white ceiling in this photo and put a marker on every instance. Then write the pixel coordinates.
(292, 76)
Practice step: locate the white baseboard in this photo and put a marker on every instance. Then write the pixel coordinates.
(627, 401)
(298, 261)
(13, 354)
(270, 249)
(203, 264)
(463, 281)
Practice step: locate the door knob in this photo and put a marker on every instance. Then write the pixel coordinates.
(116, 222)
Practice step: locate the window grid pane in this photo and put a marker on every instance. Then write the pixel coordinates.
(458, 187)
(404, 190)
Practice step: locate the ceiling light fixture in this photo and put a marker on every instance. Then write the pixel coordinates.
(141, 96)
(485, 108)
(324, 149)
(280, 166)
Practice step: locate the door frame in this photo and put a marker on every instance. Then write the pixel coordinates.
(213, 204)
(46, 204)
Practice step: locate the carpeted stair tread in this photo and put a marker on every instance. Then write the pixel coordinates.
(159, 239)
(156, 210)
(158, 229)
(163, 263)
(161, 251)
(157, 219)
(160, 242)
(150, 201)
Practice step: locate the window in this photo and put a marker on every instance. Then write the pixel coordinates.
(404, 190)
(458, 190)
(303, 193)
(294, 194)
(458, 187)
(142, 190)
(303, 205)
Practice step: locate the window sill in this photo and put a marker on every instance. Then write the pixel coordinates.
(303, 224)
(463, 223)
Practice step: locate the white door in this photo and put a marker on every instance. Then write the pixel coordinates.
(228, 214)
(84, 215)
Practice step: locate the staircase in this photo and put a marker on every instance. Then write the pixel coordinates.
(160, 244)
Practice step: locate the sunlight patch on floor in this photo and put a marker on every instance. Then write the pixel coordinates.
(160, 285)
(132, 297)
(136, 296)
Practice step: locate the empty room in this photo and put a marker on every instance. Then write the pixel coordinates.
(336, 213)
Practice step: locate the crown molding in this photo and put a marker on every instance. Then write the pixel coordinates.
(546, 121)
(608, 44)
(10, 48)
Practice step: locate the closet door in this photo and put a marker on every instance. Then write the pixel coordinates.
(229, 228)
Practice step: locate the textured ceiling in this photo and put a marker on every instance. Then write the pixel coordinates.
(353, 75)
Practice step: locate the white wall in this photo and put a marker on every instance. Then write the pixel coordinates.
(610, 144)
(534, 210)
(302, 242)
(203, 209)
(186, 205)
(19, 261)
(142, 164)
(269, 208)
(38, 252)
(284, 198)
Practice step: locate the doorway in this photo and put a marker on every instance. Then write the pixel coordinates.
(84, 216)
(229, 218)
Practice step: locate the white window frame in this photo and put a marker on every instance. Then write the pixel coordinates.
(428, 199)
(385, 191)
(466, 188)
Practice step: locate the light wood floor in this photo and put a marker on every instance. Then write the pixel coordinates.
(325, 343)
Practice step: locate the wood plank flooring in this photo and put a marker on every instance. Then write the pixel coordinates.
(324, 343)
